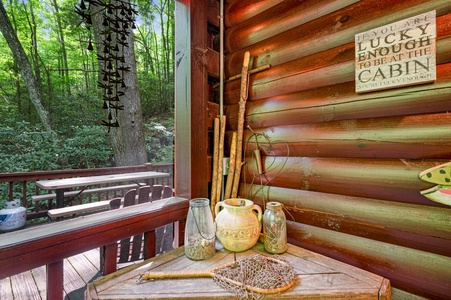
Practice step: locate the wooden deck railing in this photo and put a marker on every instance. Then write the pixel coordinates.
(50, 244)
(18, 183)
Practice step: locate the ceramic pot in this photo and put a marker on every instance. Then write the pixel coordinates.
(13, 216)
(238, 224)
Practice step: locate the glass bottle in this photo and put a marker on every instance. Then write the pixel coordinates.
(274, 228)
(200, 231)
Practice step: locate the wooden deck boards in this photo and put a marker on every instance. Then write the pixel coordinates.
(78, 271)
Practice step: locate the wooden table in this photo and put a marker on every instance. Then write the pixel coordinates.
(319, 277)
(59, 185)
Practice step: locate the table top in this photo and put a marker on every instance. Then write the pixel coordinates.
(92, 180)
(319, 277)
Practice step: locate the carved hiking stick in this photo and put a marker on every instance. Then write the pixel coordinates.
(241, 112)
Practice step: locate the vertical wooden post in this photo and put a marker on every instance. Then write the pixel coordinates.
(55, 280)
(108, 258)
(150, 244)
(199, 99)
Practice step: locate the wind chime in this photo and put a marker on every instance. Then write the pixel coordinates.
(118, 20)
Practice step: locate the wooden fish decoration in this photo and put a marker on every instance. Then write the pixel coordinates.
(438, 193)
(440, 175)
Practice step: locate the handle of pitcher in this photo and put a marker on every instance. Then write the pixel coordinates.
(259, 212)
(217, 206)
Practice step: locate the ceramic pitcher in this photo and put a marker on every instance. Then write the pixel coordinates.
(238, 223)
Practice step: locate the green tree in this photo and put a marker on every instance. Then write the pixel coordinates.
(23, 63)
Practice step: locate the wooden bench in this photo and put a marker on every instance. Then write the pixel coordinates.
(82, 208)
(67, 194)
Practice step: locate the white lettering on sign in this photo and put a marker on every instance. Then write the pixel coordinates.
(399, 54)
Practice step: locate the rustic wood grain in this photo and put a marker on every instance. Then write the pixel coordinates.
(199, 100)
(278, 19)
(331, 31)
(31, 284)
(409, 137)
(317, 70)
(385, 221)
(340, 101)
(354, 160)
(387, 179)
(406, 268)
(237, 11)
(24, 286)
(319, 278)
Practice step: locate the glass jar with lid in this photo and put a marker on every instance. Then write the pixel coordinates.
(274, 228)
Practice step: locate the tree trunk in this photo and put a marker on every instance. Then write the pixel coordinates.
(128, 139)
(22, 61)
(60, 34)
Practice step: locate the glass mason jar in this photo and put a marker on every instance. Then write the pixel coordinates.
(274, 228)
(200, 233)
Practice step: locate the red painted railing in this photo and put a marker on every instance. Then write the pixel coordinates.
(50, 244)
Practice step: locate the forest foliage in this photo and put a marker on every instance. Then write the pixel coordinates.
(55, 42)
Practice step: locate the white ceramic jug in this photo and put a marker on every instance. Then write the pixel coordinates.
(238, 224)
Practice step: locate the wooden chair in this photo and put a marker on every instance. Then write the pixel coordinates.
(144, 194)
(157, 190)
(167, 192)
(126, 252)
(130, 249)
(165, 234)
(115, 203)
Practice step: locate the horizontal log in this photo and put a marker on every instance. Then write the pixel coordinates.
(389, 179)
(414, 271)
(387, 221)
(282, 17)
(316, 71)
(340, 102)
(238, 11)
(406, 137)
(331, 31)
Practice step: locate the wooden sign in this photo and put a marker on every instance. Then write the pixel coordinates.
(398, 54)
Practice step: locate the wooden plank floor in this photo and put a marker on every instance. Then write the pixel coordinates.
(78, 271)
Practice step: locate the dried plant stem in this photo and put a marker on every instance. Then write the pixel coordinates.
(220, 158)
(241, 113)
(214, 179)
(230, 174)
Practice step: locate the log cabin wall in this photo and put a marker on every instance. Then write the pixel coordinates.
(345, 165)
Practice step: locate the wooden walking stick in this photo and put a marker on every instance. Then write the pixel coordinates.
(214, 176)
(232, 162)
(242, 110)
(218, 155)
(220, 158)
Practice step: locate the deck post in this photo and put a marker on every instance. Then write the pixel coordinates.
(108, 258)
(149, 244)
(55, 280)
